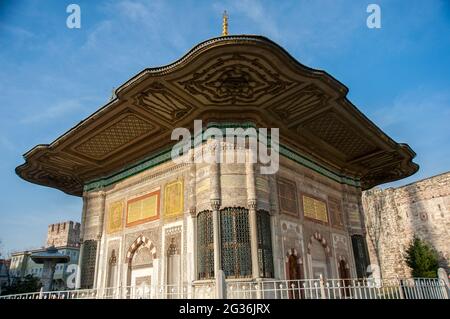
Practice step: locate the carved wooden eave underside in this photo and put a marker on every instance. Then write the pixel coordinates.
(232, 78)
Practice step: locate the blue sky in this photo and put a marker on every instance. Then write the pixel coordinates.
(51, 77)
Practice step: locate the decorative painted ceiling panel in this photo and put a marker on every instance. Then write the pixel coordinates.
(235, 79)
(114, 136)
(306, 100)
(163, 103)
(49, 176)
(339, 135)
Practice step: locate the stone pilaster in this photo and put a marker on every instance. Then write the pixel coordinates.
(92, 225)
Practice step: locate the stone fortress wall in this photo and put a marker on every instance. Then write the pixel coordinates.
(394, 215)
(63, 234)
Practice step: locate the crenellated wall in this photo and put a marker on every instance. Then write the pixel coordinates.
(63, 234)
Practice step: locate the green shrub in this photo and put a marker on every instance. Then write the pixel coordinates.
(422, 259)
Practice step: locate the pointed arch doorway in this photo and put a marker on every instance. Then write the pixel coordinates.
(294, 273)
(344, 275)
(140, 260)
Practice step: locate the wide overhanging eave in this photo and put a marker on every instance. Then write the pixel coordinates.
(59, 165)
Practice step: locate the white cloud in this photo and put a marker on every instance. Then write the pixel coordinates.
(102, 28)
(147, 13)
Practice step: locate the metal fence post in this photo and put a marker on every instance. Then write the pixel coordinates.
(400, 289)
(221, 285)
(443, 280)
(322, 287)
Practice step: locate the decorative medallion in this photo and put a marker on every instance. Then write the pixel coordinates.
(234, 79)
(339, 240)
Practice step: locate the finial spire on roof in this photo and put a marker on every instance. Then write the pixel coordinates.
(225, 23)
(113, 94)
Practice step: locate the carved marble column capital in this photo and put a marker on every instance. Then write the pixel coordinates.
(215, 204)
(193, 211)
(252, 204)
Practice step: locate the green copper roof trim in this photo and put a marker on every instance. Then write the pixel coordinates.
(165, 155)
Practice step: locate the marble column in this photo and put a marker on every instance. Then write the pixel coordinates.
(252, 206)
(215, 200)
(101, 218)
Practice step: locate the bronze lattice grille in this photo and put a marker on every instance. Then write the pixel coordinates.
(235, 233)
(88, 267)
(205, 245)
(265, 256)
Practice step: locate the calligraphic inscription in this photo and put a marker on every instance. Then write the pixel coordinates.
(143, 209)
(287, 194)
(334, 205)
(173, 199)
(315, 209)
(114, 223)
(354, 216)
(262, 184)
(203, 186)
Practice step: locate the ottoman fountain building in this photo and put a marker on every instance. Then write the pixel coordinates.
(149, 219)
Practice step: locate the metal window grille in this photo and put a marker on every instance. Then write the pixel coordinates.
(205, 245)
(88, 267)
(361, 255)
(235, 242)
(265, 257)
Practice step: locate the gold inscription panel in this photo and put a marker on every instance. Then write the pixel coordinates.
(173, 199)
(143, 209)
(315, 209)
(114, 222)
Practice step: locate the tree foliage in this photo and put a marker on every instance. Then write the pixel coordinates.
(28, 284)
(422, 259)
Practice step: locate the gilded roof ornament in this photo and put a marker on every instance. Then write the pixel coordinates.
(225, 24)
